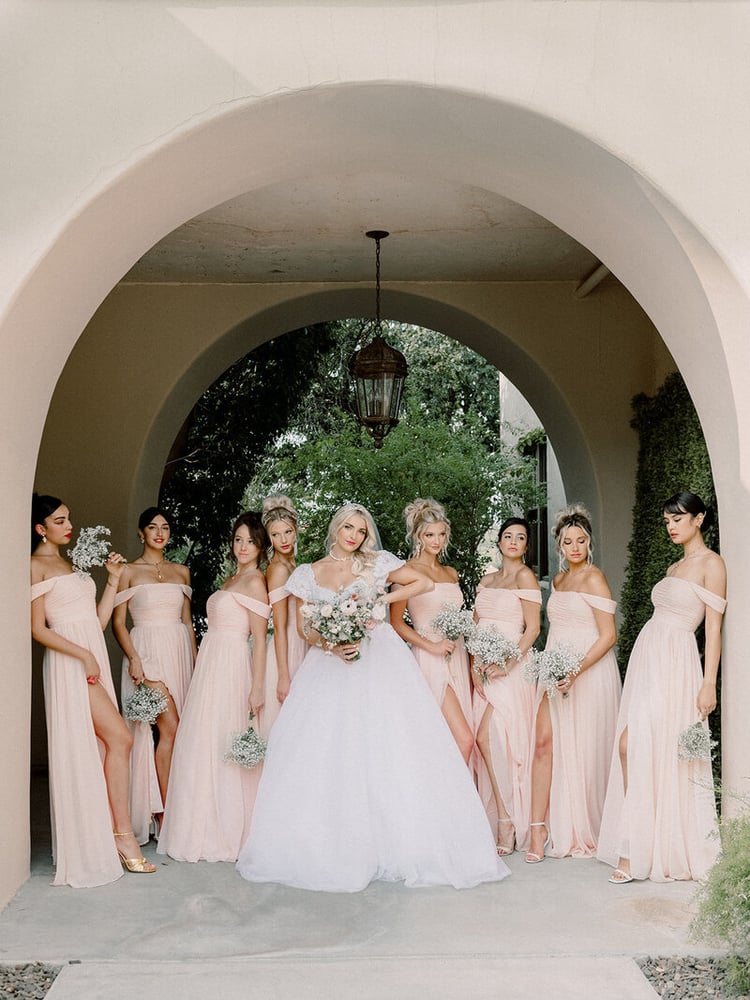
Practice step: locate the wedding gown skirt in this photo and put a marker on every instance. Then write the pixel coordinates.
(162, 641)
(363, 779)
(442, 672)
(511, 724)
(210, 801)
(82, 844)
(666, 824)
(583, 728)
(296, 648)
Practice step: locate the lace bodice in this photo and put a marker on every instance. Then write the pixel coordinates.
(302, 582)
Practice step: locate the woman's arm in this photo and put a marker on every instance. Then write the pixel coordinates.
(276, 576)
(115, 565)
(50, 639)
(187, 620)
(412, 582)
(120, 629)
(441, 647)
(715, 580)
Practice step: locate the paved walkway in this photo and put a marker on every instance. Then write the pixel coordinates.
(554, 930)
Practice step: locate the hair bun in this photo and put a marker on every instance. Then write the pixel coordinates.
(574, 514)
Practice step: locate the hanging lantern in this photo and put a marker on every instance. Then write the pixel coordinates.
(378, 371)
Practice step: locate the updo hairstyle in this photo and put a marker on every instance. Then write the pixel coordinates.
(688, 503)
(148, 515)
(279, 508)
(418, 515)
(510, 522)
(251, 519)
(42, 505)
(573, 516)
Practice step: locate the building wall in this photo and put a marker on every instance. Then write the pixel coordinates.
(624, 124)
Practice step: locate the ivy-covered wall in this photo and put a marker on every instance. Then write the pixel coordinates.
(672, 456)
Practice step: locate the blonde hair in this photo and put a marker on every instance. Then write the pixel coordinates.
(420, 513)
(279, 508)
(363, 559)
(573, 516)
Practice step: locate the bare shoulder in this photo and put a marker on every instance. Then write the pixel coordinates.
(125, 577)
(184, 573)
(596, 583)
(527, 580)
(489, 579)
(559, 577)
(276, 575)
(255, 586)
(715, 574)
(37, 570)
(451, 572)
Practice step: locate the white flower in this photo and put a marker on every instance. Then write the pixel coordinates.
(307, 611)
(326, 611)
(379, 611)
(348, 607)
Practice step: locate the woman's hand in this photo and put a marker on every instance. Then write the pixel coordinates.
(493, 671)
(255, 699)
(135, 669)
(91, 667)
(566, 684)
(347, 651)
(443, 647)
(282, 688)
(706, 699)
(114, 565)
(477, 681)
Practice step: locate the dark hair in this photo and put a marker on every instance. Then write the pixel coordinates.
(687, 503)
(252, 520)
(149, 514)
(42, 505)
(509, 522)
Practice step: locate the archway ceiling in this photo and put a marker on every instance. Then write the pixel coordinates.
(313, 231)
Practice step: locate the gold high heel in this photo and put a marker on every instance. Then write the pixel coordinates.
(137, 865)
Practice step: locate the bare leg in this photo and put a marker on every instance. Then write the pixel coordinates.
(541, 780)
(110, 727)
(623, 865)
(505, 830)
(457, 723)
(166, 723)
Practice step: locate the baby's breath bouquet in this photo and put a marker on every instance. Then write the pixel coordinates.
(488, 645)
(248, 749)
(550, 666)
(145, 704)
(345, 618)
(452, 621)
(91, 549)
(695, 743)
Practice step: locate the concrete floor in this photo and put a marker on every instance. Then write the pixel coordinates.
(557, 930)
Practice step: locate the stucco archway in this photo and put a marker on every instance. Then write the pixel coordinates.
(677, 278)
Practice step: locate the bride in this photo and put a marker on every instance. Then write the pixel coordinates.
(363, 779)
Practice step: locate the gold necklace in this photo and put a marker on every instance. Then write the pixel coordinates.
(156, 566)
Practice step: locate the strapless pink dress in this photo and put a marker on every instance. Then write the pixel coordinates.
(442, 672)
(583, 728)
(82, 844)
(666, 824)
(162, 641)
(296, 650)
(210, 801)
(513, 702)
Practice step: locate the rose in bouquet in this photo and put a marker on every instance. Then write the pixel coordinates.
(489, 646)
(695, 743)
(345, 618)
(548, 667)
(248, 749)
(145, 704)
(91, 548)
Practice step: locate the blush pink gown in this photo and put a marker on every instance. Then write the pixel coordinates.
(162, 641)
(666, 824)
(210, 801)
(83, 847)
(513, 702)
(296, 649)
(442, 672)
(583, 728)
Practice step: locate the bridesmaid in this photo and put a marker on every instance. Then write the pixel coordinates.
(444, 663)
(159, 652)
(510, 601)
(575, 730)
(210, 801)
(287, 648)
(660, 814)
(89, 744)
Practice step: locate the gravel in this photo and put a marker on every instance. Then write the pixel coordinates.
(672, 978)
(27, 982)
(688, 978)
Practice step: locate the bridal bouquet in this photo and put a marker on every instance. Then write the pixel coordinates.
(91, 549)
(452, 621)
(695, 743)
(247, 749)
(549, 666)
(345, 618)
(488, 645)
(145, 704)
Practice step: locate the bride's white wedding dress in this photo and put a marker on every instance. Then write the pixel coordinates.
(363, 779)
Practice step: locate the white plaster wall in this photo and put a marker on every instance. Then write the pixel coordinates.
(624, 123)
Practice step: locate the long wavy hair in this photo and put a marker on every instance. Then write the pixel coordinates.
(418, 515)
(573, 516)
(363, 559)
